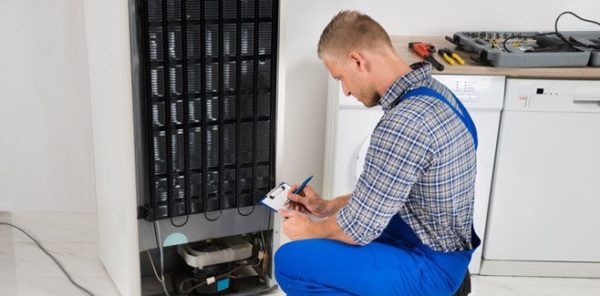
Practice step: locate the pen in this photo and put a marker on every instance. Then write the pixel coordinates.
(301, 187)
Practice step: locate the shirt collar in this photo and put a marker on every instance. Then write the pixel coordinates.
(420, 72)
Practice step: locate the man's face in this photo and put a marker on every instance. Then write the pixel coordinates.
(354, 76)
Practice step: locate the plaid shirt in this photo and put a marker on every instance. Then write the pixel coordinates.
(421, 164)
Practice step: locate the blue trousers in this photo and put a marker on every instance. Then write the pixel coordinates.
(396, 263)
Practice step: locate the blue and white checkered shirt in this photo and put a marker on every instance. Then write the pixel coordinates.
(421, 164)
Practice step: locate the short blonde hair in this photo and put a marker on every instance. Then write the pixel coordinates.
(351, 30)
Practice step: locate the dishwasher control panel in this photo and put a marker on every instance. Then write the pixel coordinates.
(553, 95)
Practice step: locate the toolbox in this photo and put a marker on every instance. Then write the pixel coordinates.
(587, 40)
(531, 49)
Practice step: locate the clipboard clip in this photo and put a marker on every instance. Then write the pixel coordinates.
(275, 191)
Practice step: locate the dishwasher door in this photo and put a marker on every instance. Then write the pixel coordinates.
(545, 203)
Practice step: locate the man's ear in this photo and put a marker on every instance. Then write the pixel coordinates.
(358, 61)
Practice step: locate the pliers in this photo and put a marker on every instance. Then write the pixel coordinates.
(450, 57)
(426, 51)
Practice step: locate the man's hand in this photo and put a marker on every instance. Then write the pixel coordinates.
(297, 225)
(308, 201)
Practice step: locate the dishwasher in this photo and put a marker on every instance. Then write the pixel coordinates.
(544, 213)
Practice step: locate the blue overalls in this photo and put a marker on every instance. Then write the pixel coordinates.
(396, 263)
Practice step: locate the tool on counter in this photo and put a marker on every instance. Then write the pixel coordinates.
(450, 56)
(425, 51)
(446, 56)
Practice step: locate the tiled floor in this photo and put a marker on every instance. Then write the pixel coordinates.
(72, 237)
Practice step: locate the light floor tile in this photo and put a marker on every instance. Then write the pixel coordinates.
(8, 285)
(533, 286)
(57, 227)
(6, 232)
(61, 286)
(27, 271)
(80, 259)
(7, 258)
(524, 286)
(7, 250)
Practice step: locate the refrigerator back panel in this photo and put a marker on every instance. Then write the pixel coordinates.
(207, 72)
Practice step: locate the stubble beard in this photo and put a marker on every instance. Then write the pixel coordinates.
(373, 101)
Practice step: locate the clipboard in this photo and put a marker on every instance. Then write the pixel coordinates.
(277, 198)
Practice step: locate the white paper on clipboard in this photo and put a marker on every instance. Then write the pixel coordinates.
(277, 198)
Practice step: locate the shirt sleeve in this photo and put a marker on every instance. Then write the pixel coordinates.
(399, 152)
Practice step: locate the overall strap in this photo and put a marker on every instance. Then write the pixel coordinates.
(463, 115)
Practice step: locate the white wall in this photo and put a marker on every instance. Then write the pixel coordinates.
(306, 78)
(46, 156)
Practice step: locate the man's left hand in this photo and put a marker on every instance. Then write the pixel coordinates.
(297, 225)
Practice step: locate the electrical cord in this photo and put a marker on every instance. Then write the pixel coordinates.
(556, 32)
(523, 36)
(581, 44)
(86, 291)
(208, 280)
(160, 279)
(561, 36)
(212, 279)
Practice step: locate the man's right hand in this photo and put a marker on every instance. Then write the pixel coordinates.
(308, 201)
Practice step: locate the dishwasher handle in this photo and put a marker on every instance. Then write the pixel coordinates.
(586, 104)
(586, 99)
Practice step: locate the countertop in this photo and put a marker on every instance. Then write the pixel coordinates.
(400, 43)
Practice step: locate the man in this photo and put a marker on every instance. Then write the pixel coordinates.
(406, 229)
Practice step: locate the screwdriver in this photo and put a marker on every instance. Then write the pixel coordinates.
(425, 51)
